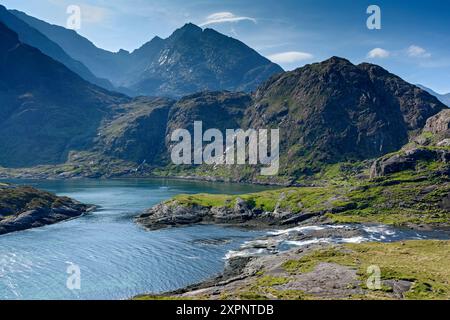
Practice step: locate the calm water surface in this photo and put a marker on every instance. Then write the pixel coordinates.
(117, 258)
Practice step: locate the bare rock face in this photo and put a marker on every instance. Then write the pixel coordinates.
(439, 124)
(407, 160)
(431, 145)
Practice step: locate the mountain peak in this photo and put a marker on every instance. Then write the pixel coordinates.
(188, 29)
(337, 60)
(191, 26)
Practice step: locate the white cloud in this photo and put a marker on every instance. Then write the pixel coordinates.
(418, 52)
(93, 14)
(224, 17)
(378, 53)
(290, 57)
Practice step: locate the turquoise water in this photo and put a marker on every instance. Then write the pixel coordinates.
(117, 258)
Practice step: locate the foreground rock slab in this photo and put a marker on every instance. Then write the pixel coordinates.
(318, 272)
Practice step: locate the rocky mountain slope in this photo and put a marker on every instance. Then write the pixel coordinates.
(24, 208)
(327, 112)
(190, 60)
(34, 38)
(46, 110)
(335, 111)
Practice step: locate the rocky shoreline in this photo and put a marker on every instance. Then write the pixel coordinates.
(319, 266)
(166, 215)
(23, 208)
(259, 269)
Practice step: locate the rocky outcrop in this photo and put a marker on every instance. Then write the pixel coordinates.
(24, 208)
(431, 145)
(439, 124)
(407, 160)
(241, 214)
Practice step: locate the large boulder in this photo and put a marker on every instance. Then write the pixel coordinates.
(439, 124)
(407, 160)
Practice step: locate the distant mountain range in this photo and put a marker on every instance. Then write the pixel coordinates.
(444, 98)
(34, 38)
(327, 112)
(190, 60)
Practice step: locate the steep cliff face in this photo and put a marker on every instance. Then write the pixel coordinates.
(336, 111)
(431, 148)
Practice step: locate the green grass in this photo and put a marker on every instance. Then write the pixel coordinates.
(424, 263)
(408, 197)
(294, 200)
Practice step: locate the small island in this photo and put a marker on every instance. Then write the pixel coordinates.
(24, 208)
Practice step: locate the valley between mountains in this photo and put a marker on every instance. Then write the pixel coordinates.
(359, 147)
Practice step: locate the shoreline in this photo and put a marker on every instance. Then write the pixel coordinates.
(25, 208)
(241, 270)
(37, 177)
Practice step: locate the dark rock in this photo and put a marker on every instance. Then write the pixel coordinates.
(407, 160)
(172, 215)
(24, 208)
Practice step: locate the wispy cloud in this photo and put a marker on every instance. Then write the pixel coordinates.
(290, 57)
(378, 53)
(418, 52)
(224, 17)
(93, 14)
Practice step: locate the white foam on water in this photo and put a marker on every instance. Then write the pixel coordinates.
(308, 242)
(296, 229)
(383, 230)
(245, 253)
(353, 240)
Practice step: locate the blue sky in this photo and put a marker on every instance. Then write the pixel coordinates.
(414, 40)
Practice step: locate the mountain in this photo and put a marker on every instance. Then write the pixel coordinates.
(336, 111)
(444, 98)
(327, 112)
(190, 60)
(102, 63)
(46, 110)
(34, 38)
